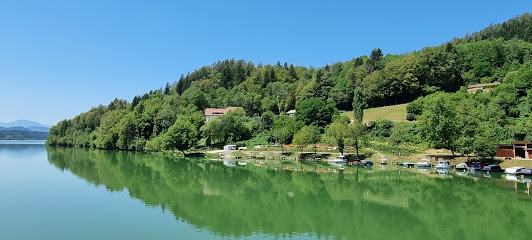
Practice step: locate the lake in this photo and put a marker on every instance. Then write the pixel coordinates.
(69, 193)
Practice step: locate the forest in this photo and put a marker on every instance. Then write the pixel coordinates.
(433, 80)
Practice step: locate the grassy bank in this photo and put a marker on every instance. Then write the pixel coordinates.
(396, 113)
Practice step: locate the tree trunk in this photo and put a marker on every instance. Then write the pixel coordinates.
(398, 150)
(356, 146)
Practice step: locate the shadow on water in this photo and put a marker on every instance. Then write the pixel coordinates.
(240, 201)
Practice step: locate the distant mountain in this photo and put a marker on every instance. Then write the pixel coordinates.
(24, 125)
(22, 135)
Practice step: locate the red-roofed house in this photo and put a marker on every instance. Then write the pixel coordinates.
(216, 112)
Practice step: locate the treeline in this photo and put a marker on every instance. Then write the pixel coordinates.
(155, 120)
(22, 135)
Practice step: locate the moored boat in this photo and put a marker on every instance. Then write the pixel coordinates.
(492, 168)
(443, 165)
(384, 161)
(461, 166)
(242, 163)
(368, 163)
(229, 163)
(408, 165)
(513, 170)
(525, 171)
(340, 161)
(443, 171)
(423, 163)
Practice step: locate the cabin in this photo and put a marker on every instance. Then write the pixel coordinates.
(216, 112)
(230, 147)
(475, 87)
(518, 149)
(291, 113)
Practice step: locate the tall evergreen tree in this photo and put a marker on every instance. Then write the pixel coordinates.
(358, 105)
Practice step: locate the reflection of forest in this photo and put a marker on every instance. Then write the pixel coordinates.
(371, 204)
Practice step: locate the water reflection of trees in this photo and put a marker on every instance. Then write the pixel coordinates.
(240, 201)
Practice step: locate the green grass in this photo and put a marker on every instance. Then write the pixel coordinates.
(396, 113)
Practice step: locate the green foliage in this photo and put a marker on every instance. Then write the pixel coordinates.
(381, 128)
(414, 109)
(315, 112)
(358, 105)
(181, 136)
(438, 121)
(22, 135)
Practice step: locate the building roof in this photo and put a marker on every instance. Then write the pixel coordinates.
(218, 111)
(483, 85)
(293, 111)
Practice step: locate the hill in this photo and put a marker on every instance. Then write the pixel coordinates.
(22, 135)
(23, 123)
(172, 116)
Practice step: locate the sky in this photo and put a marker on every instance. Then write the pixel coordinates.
(60, 58)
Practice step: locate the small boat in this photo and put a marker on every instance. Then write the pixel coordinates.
(443, 171)
(476, 166)
(408, 165)
(461, 166)
(368, 163)
(492, 168)
(229, 163)
(340, 161)
(525, 171)
(384, 161)
(512, 177)
(423, 163)
(400, 164)
(513, 170)
(260, 156)
(242, 163)
(443, 165)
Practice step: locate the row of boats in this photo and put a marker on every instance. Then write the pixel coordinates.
(425, 163)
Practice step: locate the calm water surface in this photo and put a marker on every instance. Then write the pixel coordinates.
(66, 193)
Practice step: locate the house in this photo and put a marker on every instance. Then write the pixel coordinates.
(475, 87)
(518, 149)
(291, 113)
(216, 112)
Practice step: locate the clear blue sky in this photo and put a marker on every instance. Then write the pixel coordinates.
(60, 58)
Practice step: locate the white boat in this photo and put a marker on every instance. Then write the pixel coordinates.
(242, 163)
(408, 165)
(512, 170)
(461, 166)
(229, 163)
(340, 161)
(423, 163)
(443, 165)
(443, 171)
(384, 161)
(512, 178)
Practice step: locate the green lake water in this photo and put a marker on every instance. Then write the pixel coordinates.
(68, 193)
